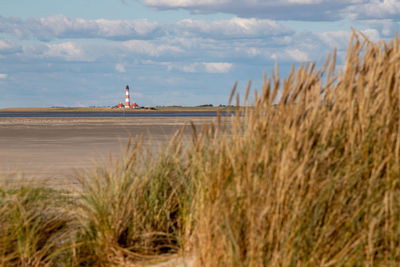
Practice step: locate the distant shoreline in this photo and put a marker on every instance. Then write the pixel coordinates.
(119, 110)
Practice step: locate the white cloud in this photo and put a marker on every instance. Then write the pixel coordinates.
(309, 10)
(375, 9)
(7, 46)
(217, 67)
(340, 39)
(233, 28)
(372, 34)
(126, 29)
(188, 68)
(197, 67)
(195, 54)
(60, 26)
(337, 39)
(184, 3)
(150, 48)
(297, 55)
(305, 1)
(120, 68)
(3, 76)
(68, 51)
(386, 27)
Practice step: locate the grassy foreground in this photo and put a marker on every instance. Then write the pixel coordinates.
(311, 177)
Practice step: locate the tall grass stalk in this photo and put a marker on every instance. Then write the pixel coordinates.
(136, 210)
(311, 178)
(34, 226)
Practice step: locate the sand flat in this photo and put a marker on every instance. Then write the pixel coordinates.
(56, 148)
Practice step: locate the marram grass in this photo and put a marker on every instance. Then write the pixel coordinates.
(309, 175)
(312, 178)
(34, 226)
(134, 211)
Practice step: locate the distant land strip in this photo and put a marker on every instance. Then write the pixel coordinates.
(205, 108)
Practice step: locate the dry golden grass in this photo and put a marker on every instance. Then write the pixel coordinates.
(35, 226)
(311, 178)
(134, 211)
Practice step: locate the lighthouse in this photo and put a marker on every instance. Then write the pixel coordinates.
(127, 100)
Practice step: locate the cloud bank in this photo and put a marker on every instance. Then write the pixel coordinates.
(62, 27)
(310, 10)
(188, 45)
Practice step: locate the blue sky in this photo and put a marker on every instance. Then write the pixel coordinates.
(170, 52)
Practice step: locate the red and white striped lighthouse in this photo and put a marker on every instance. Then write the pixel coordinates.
(127, 100)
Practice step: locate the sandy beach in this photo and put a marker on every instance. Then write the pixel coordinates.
(55, 149)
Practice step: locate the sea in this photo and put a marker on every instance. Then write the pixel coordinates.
(108, 114)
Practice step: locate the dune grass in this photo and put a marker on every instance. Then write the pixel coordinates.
(309, 175)
(314, 179)
(34, 226)
(135, 210)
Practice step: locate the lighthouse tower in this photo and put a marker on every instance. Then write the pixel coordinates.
(127, 100)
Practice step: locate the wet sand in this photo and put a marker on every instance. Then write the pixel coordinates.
(56, 149)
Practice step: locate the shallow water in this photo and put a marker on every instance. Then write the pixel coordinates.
(107, 114)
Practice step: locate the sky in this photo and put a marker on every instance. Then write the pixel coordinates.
(170, 52)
